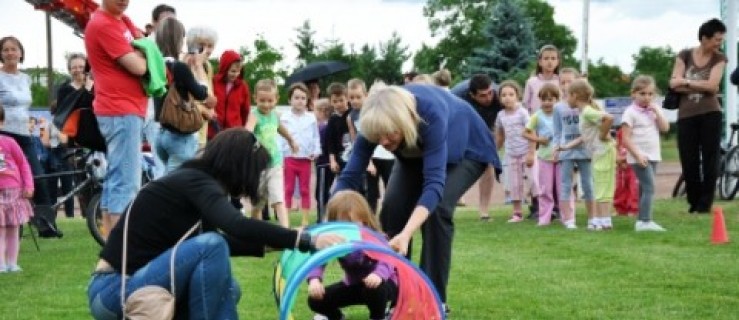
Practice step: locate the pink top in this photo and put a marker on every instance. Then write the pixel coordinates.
(531, 91)
(14, 169)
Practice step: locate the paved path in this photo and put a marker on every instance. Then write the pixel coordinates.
(667, 174)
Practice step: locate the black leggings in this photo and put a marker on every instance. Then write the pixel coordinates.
(401, 197)
(339, 295)
(698, 142)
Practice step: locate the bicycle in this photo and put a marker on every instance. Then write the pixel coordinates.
(93, 211)
(87, 185)
(728, 171)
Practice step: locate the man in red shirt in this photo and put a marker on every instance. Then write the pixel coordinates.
(120, 102)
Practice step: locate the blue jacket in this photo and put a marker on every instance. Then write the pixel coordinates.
(450, 132)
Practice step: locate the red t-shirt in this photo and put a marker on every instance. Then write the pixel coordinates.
(117, 91)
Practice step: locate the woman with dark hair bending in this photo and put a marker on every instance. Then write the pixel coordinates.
(166, 208)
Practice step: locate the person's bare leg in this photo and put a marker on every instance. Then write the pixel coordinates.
(256, 213)
(281, 212)
(485, 187)
(305, 221)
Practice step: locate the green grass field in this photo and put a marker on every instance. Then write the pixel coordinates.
(500, 271)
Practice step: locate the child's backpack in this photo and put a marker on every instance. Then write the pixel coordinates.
(178, 114)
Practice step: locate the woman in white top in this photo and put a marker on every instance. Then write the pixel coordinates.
(15, 97)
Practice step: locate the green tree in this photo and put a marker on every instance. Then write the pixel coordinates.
(262, 62)
(39, 87)
(392, 55)
(608, 80)
(509, 43)
(547, 31)
(428, 59)
(305, 44)
(459, 23)
(657, 62)
(364, 66)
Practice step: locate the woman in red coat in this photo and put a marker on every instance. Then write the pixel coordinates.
(232, 93)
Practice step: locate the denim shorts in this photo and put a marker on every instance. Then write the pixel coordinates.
(123, 139)
(173, 148)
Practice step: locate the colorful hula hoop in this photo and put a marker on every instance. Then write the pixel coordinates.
(294, 266)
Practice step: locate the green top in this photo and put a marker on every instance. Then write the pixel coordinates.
(155, 84)
(541, 124)
(266, 132)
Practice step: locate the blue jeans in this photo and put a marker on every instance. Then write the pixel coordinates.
(175, 148)
(151, 134)
(567, 167)
(202, 276)
(123, 139)
(646, 188)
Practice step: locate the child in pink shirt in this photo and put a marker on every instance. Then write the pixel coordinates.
(547, 68)
(16, 187)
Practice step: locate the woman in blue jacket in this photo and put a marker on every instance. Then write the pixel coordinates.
(442, 147)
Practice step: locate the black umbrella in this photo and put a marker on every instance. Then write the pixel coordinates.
(316, 70)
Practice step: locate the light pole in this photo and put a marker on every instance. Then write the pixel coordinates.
(49, 62)
(585, 42)
(729, 15)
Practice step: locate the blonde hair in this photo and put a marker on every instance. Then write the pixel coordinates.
(510, 84)
(266, 85)
(642, 82)
(583, 92)
(390, 109)
(443, 78)
(348, 205)
(424, 79)
(356, 83)
(570, 70)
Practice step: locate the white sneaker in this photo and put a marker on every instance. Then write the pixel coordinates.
(318, 316)
(14, 268)
(648, 226)
(570, 225)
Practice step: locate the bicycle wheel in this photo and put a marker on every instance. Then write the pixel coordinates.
(94, 217)
(729, 180)
(679, 190)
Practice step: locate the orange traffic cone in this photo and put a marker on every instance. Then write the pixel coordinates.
(718, 234)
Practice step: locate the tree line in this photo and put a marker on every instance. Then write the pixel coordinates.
(496, 37)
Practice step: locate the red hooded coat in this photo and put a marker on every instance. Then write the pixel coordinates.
(233, 107)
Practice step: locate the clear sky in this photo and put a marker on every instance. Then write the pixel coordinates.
(617, 27)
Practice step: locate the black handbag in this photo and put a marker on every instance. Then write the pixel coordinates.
(672, 100)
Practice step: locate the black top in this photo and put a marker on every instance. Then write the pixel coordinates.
(66, 89)
(167, 207)
(488, 113)
(337, 134)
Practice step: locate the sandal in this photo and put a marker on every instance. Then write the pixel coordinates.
(485, 218)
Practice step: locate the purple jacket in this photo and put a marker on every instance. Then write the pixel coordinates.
(358, 266)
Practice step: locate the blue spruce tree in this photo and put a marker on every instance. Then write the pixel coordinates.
(509, 45)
